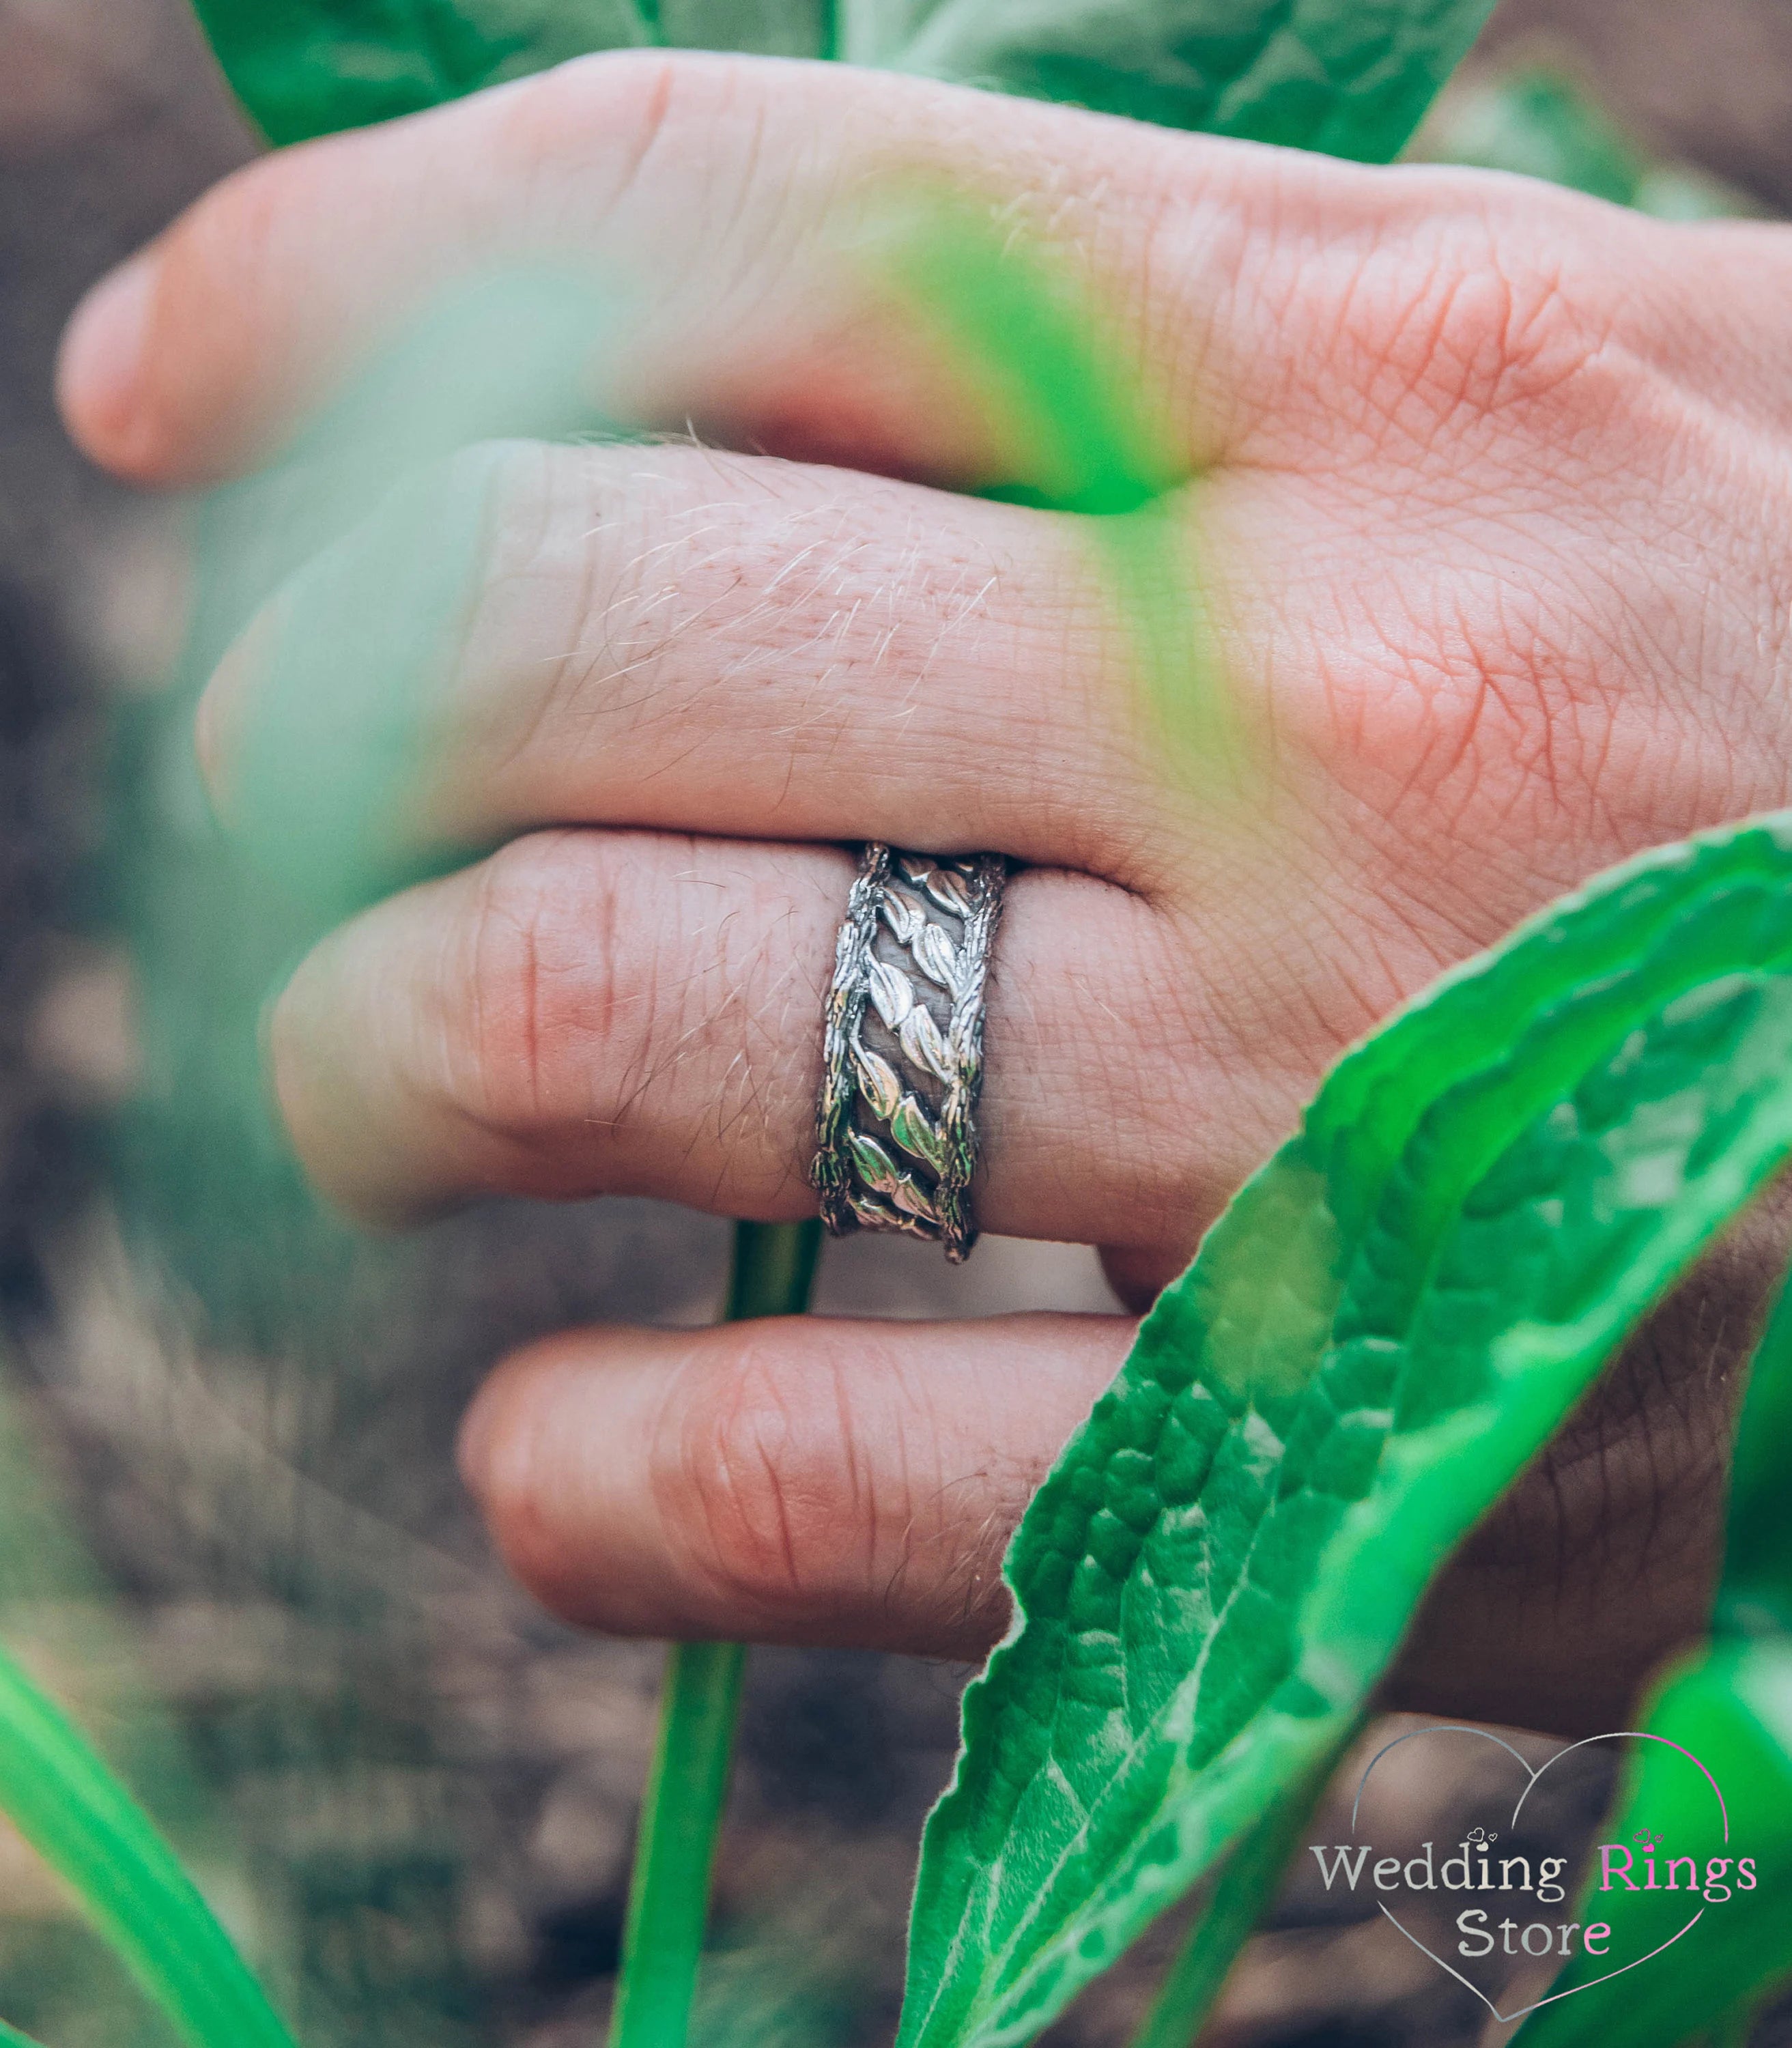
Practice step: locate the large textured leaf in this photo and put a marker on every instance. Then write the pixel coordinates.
(305, 68)
(1350, 76)
(1389, 1320)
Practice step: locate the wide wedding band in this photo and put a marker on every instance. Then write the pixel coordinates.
(896, 1126)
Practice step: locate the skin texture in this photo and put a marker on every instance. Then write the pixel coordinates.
(1487, 487)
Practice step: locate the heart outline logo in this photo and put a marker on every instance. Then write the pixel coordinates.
(1531, 1777)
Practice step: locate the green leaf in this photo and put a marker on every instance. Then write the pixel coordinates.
(1755, 1595)
(66, 1802)
(1732, 1706)
(1247, 1886)
(1350, 76)
(306, 67)
(1540, 123)
(1388, 1322)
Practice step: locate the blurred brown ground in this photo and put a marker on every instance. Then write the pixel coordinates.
(413, 1793)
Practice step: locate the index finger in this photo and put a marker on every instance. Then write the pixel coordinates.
(718, 194)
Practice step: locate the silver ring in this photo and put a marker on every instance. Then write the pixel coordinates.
(896, 1136)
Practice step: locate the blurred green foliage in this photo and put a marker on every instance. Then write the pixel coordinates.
(57, 1612)
(1731, 1705)
(1537, 120)
(1352, 77)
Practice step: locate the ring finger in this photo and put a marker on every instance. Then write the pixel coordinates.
(634, 1012)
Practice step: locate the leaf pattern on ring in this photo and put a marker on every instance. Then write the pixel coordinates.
(877, 1082)
(936, 957)
(948, 888)
(913, 1199)
(876, 1169)
(893, 998)
(923, 1043)
(878, 1214)
(904, 916)
(915, 1132)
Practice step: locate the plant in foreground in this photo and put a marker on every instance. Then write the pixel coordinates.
(669, 1900)
(1227, 1554)
(1388, 1321)
(1483, 1198)
(73, 1809)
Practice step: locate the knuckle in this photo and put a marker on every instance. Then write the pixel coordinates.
(429, 536)
(756, 1474)
(617, 107)
(545, 615)
(1469, 315)
(538, 1015)
(634, 139)
(519, 487)
(487, 486)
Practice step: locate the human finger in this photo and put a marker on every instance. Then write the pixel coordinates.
(827, 1480)
(724, 198)
(674, 639)
(636, 1013)
(798, 1480)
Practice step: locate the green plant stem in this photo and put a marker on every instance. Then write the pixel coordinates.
(11, 2038)
(79, 1817)
(668, 1896)
(669, 1900)
(773, 1271)
(1246, 1883)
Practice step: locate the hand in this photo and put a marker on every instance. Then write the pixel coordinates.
(1494, 488)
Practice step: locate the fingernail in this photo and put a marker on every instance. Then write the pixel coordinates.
(100, 368)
